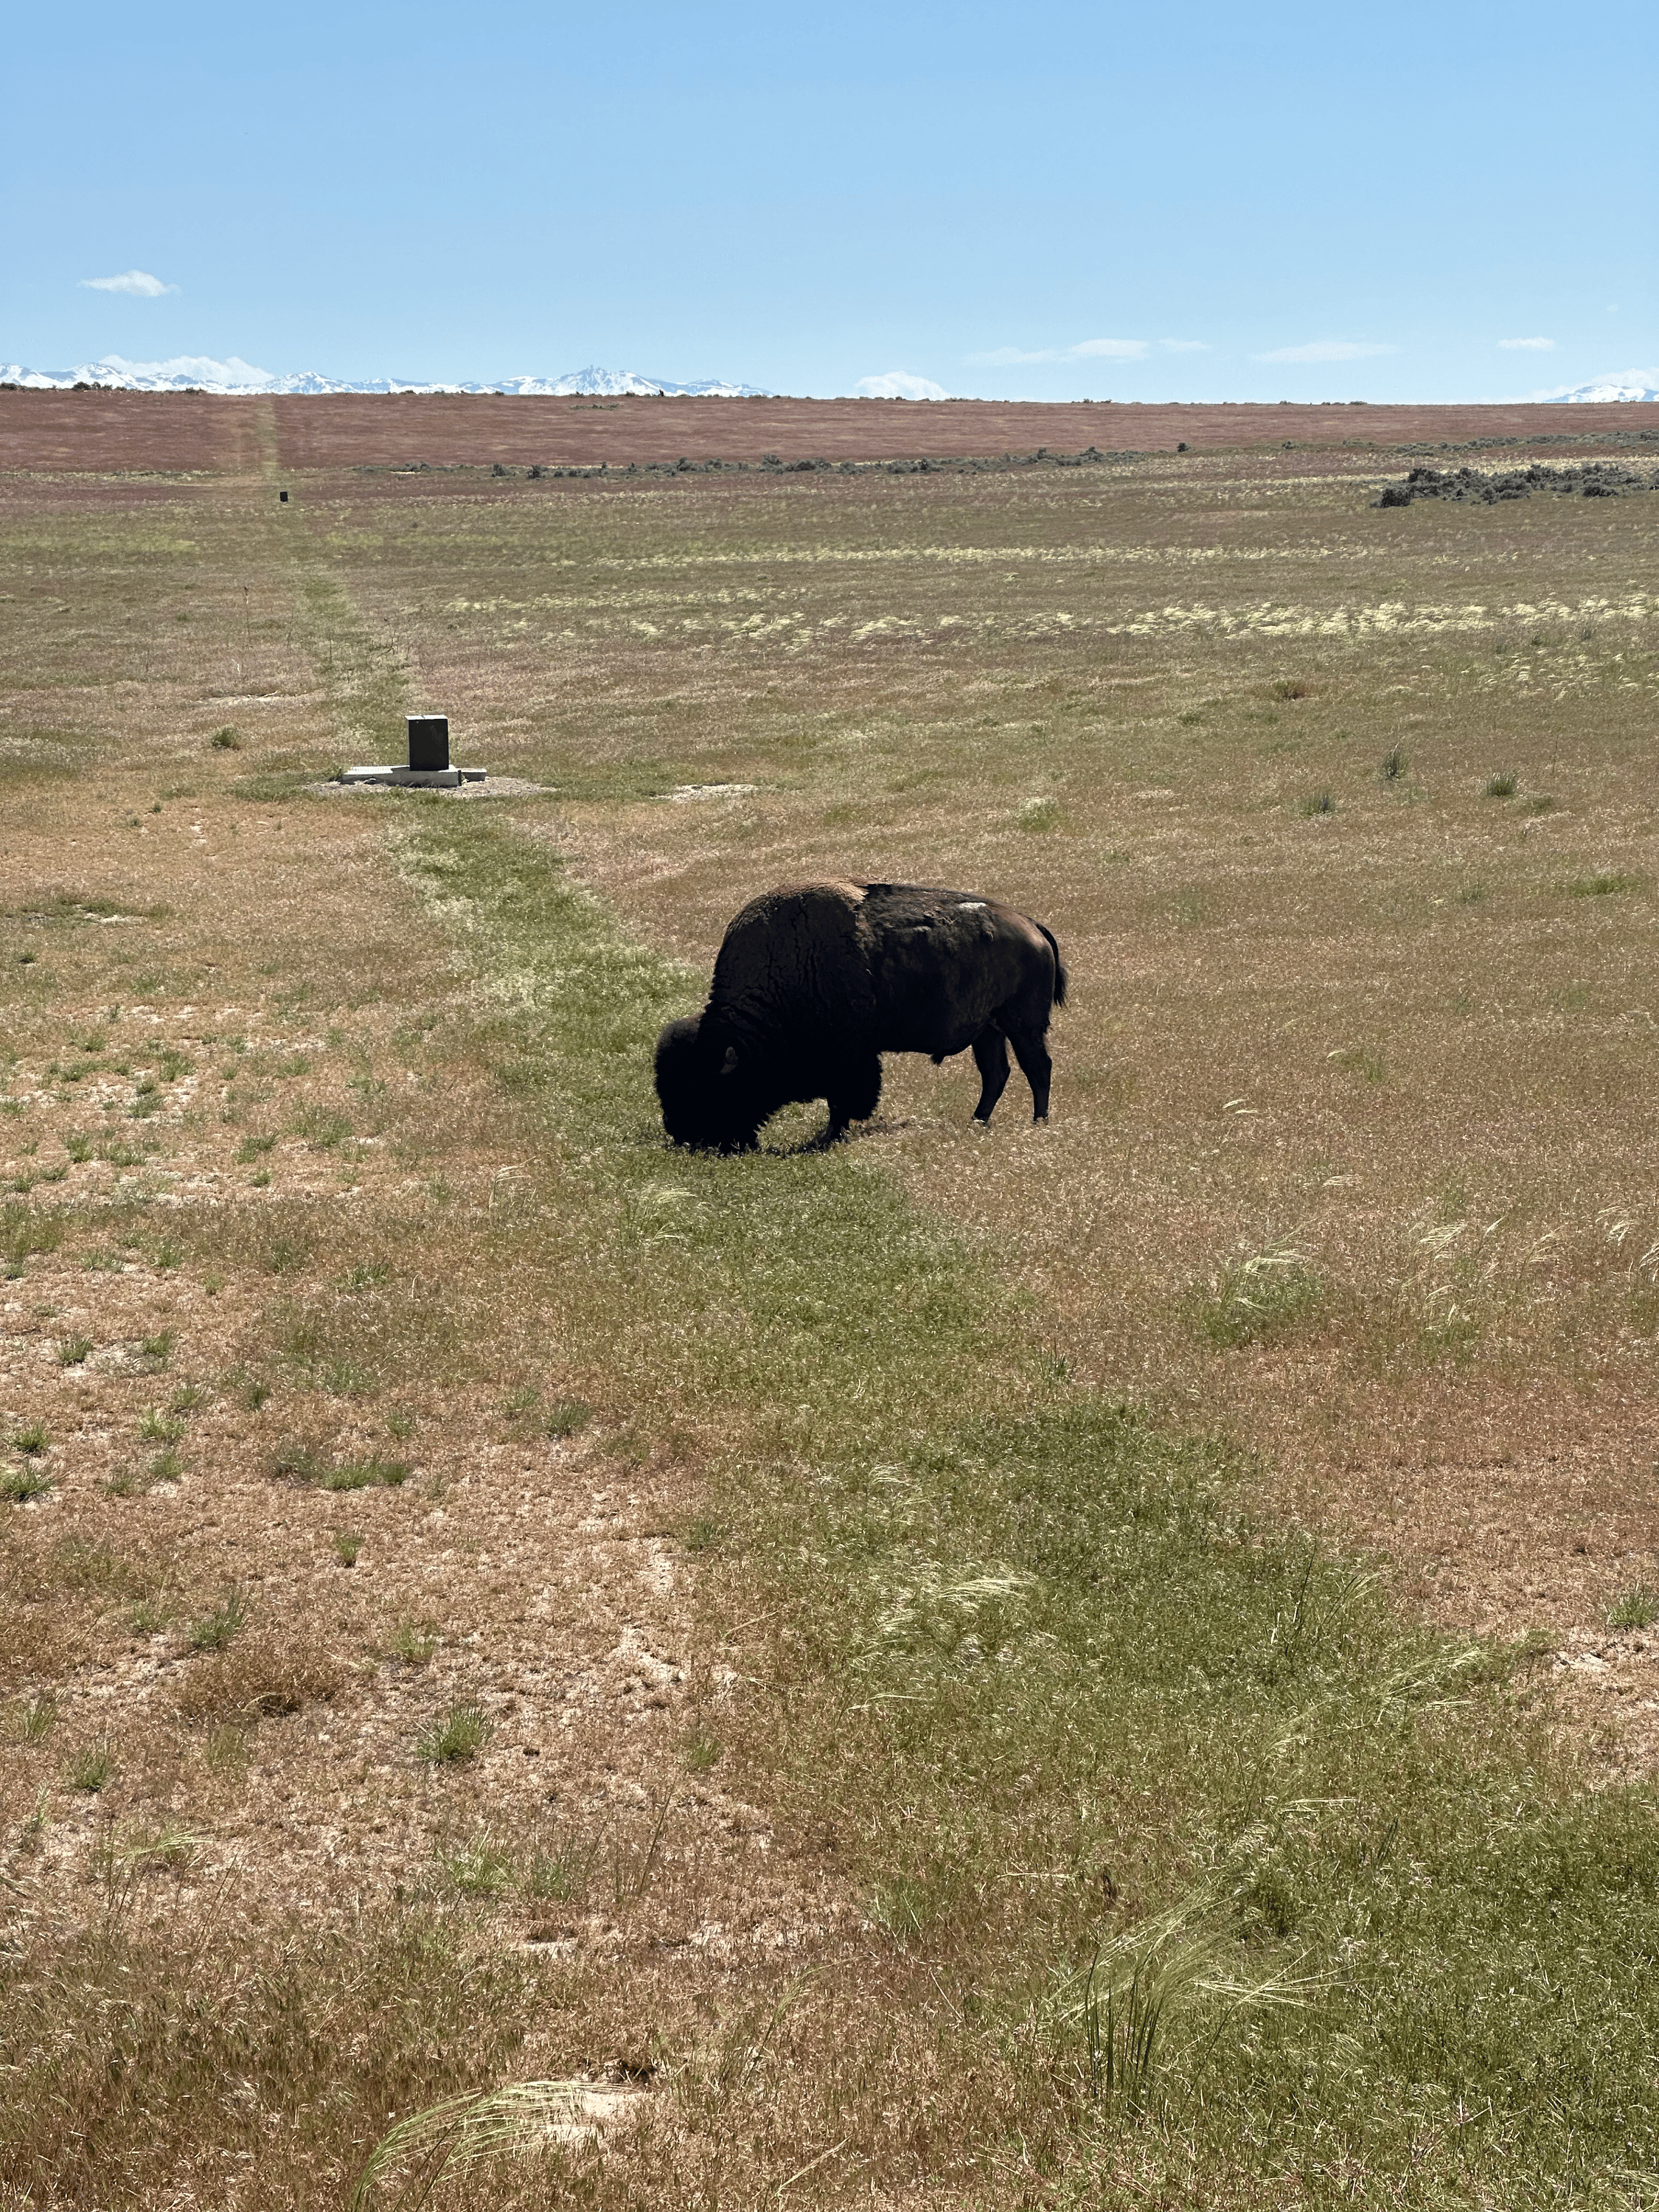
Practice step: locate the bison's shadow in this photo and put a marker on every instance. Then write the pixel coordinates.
(822, 1141)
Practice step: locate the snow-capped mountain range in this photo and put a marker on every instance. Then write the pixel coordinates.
(240, 379)
(1637, 384)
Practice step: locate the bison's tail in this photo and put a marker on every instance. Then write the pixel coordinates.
(1060, 967)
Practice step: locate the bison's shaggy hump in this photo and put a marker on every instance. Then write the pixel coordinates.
(815, 981)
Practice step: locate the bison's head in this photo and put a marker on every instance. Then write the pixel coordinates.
(705, 1102)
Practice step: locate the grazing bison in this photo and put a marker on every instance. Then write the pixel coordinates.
(815, 981)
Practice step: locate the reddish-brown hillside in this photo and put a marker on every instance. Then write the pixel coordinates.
(107, 431)
(324, 432)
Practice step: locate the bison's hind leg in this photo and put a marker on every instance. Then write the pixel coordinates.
(1034, 1065)
(991, 1058)
(856, 1095)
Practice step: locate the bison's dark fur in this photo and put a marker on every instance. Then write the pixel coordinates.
(815, 981)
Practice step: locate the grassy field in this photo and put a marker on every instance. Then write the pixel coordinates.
(1107, 1663)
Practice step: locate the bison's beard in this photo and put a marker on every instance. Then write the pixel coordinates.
(702, 1108)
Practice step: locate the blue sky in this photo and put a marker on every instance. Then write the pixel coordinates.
(1063, 201)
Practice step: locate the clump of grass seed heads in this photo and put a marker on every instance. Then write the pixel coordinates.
(413, 1642)
(1253, 1300)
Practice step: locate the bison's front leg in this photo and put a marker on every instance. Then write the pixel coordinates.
(991, 1058)
(856, 1095)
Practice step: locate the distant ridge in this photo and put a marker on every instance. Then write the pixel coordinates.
(235, 379)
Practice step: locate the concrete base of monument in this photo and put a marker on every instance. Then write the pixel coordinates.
(419, 779)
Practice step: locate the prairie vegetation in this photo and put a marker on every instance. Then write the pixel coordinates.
(1043, 1666)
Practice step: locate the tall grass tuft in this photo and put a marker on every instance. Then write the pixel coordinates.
(1255, 1299)
(1122, 2005)
(457, 2133)
(37, 1718)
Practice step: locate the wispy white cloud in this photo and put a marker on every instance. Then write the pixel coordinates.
(1526, 345)
(899, 384)
(1085, 350)
(138, 283)
(190, 368)
(1326, 349)
(1183, 345)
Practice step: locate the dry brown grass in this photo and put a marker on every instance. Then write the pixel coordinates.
(1393, 1035)
(296, 1207)
(337, 1235)
(262, 1677)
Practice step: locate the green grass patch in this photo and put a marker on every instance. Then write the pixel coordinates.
(1602, 883)
(1635, 1608)
(456, 1736)
(321, 1125)
(18, 1485)
(217, 1630)
(93, 1767)
(25, 1231)
(305, 1464)
(1027, 1656)
(413, 1642)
